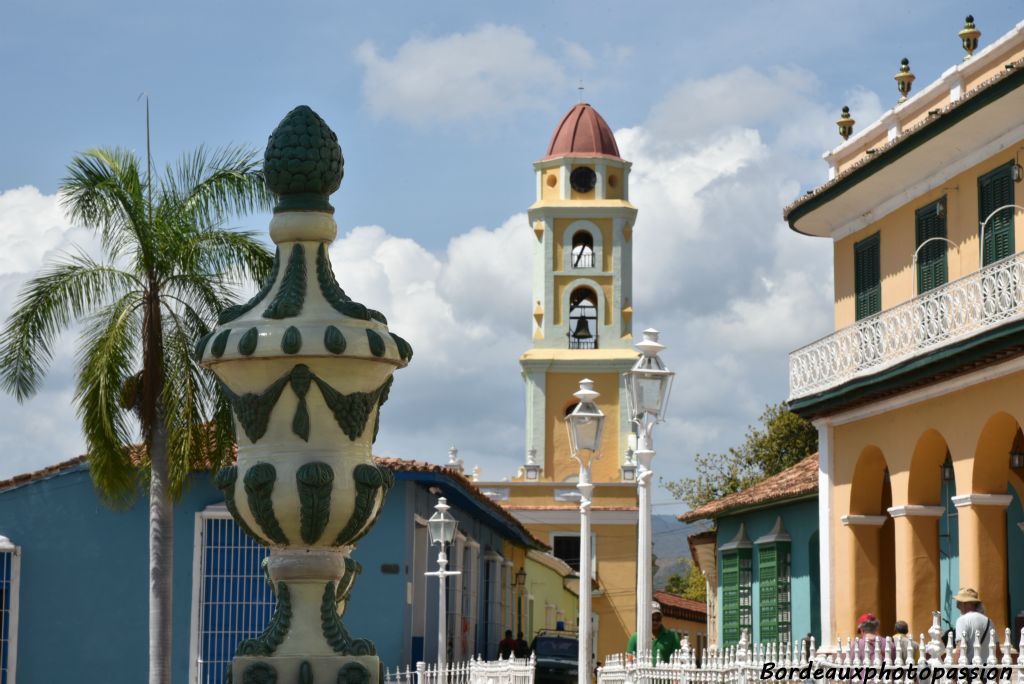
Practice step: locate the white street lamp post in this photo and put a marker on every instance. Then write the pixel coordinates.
(648, 385)
(441, 528)
(585, 424)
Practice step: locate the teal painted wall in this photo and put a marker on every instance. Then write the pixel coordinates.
(84, 595)
(949, 557)
(800, 519)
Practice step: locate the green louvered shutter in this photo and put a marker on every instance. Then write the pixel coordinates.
(931, 261)
(768, 584)
(867, 276)
(746, 593)
(730, 598)
(995, 189)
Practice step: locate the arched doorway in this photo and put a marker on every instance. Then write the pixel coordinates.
(872, 550)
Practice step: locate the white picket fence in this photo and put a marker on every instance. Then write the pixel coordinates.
(476, 671)
(929, 661)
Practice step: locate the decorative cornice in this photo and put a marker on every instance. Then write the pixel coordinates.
(863, 520)
(916, 511)
(977, 499)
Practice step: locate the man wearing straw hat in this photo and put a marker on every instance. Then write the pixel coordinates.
(972, 621)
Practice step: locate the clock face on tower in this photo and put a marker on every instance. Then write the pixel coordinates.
(583, 179)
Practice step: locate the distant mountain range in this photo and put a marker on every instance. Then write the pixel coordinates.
(671, 550)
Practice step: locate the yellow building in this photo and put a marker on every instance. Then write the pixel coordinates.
(917, 395)
(582, 223)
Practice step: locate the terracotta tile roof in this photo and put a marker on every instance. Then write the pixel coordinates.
(905, 135)
(396, 465)
(48, 471)
(674, 605)
(796, 480)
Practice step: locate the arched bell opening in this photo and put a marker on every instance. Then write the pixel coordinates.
(582, 249)
(582, 319)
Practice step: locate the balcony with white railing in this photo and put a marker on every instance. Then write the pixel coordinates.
(948, 314)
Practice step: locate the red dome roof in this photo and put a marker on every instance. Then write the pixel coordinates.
(583, 132)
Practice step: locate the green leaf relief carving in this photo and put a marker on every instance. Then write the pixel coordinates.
(376, 343)
(247, 342)
(201, 346)
(259, 485)
(354, 673)
(220, 342)
(232, 312)
(377, 316)
(229, 677)
(259, 673)
(291, 341)
(333, 293)
(315, 481)
(301, 377)
(306, 673)
(384, 394)
(253, 410)
(352, 570)
(368, 479)
(404, 348)
(351, 411)
(268, 641)
(334, 631)
(225, 480)
(292, 293)
(334, 341)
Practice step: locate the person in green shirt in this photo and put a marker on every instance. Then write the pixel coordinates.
(664, 643)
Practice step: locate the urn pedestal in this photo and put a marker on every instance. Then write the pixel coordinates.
(305, 370)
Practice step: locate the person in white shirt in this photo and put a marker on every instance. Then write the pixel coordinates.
(972, 621)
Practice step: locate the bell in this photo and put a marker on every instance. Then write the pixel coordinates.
(582, 331)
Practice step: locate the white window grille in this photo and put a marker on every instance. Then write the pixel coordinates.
(10, 575)
(232, 599)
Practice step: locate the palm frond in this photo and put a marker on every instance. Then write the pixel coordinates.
(105, 191)
(107, 360)
(67, 291)
(210, 188)
(231, 253)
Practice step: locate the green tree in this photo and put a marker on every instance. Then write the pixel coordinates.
(783, 439)
(689, 583)
(168, 267)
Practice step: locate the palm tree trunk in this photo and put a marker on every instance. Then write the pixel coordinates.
(161, 536)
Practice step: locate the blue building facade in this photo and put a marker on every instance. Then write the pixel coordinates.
(82, 588)
(765, 579)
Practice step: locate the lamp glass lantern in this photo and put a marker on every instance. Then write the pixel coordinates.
(441, 526)
(586, 422)
(948, 474)
(1017, 458)
(521, 577)
(649, 382)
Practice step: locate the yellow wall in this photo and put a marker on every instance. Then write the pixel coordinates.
(615, 604)
(617, 494)
(688, 628)
(549, 188)
(556, 449)
(977, 425)
(898, 240)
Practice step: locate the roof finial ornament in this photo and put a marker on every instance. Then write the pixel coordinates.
(969, 35)
(580, 88)
(904, 78)
(845, 124)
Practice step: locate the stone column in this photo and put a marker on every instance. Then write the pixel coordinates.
(917, 563)
(982, 520)
(865, 555)
(305, 370)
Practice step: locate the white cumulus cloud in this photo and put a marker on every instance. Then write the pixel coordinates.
(489, 71)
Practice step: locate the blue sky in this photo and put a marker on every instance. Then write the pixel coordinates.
(440, 109)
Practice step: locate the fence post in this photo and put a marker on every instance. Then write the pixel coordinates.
(421, 672)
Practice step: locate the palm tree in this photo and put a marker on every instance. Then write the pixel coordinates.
(168, 267)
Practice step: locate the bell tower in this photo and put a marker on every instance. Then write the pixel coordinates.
(582, 223)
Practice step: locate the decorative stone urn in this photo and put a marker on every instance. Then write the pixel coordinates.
(305, 370)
